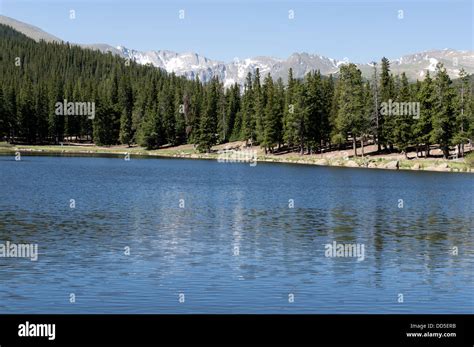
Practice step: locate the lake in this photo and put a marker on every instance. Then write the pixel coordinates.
(198, 236)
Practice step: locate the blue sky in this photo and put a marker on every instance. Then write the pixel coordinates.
(359, 30)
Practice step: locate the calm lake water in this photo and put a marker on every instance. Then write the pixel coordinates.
(236, 246)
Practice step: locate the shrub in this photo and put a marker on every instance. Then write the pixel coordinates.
(469, 159)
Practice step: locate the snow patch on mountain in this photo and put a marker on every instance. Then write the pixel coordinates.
(433, 63)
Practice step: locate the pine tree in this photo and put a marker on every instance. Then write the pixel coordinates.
(166, 110)
(300, 116)
(387, 93)
(402, 132)
(258, 108)
(351, 105)
(248, 120)
(337, 136)
(106, 124)
(181, 106)
(223, 130)
(443, 111)
(423, 126)
(365, 126)
(233, 113)
(26, 113)
(279, 110)
(289, 123)
(463, 113)
(41, 110)
(72, 122)
(151, 134)
(315, 107)
(56, 121)
(328, 96)
(11, 106)
(195, 112)
(271, 122)
(376, 117)
(4, 126)
(208, 122)
(126, 107)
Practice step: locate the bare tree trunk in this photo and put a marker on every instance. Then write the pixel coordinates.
(362, 145)
(354, 145)
(445, 152)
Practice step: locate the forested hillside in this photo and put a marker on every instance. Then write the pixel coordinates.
(143, 105)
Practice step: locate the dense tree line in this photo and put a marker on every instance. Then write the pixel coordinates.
(144, 105)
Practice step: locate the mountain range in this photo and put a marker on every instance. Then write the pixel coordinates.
(192, 65)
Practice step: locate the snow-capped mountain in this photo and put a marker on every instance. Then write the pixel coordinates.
(190, 64)
(193, 65)
(417, 65)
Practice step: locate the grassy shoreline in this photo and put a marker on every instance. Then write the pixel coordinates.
(379, 162)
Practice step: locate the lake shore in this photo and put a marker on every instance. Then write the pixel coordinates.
(394, 161)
